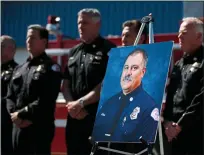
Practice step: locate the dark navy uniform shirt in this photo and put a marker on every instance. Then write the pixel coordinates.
(86, 68)
(33, 90)
(185, 82)
(184, 102)
(124, 118)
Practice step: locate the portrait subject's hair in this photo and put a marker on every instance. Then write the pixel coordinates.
(143, 52)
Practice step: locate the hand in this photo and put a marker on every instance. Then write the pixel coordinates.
(24, 124)
(82, 114)
(15, 119)
(172, 130)
(178, 128)
(73, 108)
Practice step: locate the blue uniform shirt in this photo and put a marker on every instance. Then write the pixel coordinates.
(124, 118)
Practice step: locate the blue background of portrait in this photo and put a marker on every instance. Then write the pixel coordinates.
(154, 80)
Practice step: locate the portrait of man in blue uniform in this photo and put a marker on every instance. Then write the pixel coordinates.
(132, 112)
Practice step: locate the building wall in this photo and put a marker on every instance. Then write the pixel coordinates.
(17, 15)
(21, 55)
(193, 9)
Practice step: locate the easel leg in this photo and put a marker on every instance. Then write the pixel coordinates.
(109, 144)
(161, 138)
(148, 145)
(94, 148)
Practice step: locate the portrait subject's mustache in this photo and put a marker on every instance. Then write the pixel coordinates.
(127, 78)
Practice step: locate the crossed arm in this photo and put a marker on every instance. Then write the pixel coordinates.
(35, 111)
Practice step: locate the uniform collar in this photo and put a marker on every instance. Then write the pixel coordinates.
(194, 56)
(133, 94)
(95, 43)
(37, 59)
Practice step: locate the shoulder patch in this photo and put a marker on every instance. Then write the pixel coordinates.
(55, 68)
(155, 114)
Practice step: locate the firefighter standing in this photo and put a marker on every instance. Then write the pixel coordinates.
(183, 114)
(32, 97)
(83, 76)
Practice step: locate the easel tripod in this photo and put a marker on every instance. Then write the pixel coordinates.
(145, 20)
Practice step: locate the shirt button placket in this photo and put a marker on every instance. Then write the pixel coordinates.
(82, 64)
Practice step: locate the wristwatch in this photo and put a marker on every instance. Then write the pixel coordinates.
(81, 102)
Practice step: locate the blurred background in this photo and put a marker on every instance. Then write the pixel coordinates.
(17, 15)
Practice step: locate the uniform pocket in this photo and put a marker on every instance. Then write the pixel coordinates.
(17, 81)
(71, 66)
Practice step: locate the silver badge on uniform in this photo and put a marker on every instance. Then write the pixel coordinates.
(98, 57)
(134, 114)
(195, 65)
(4, 73)
(39, 68)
